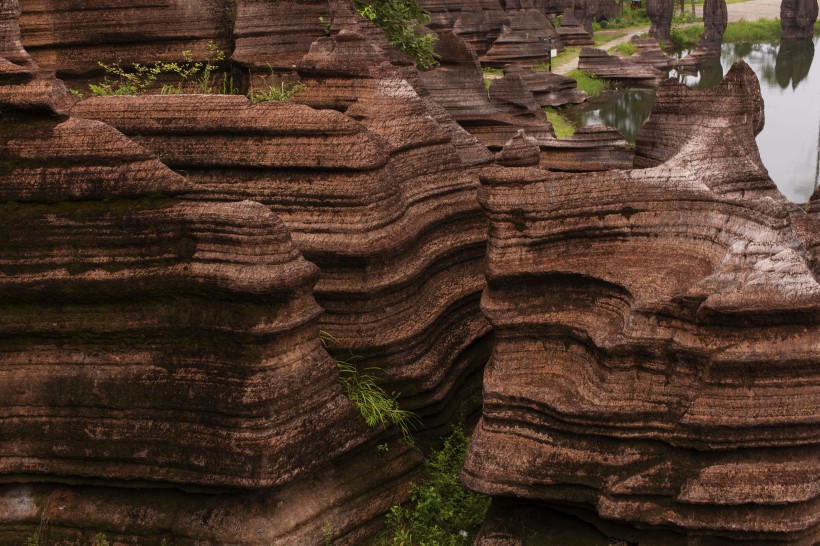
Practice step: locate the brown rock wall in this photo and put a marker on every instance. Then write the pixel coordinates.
(657, 335)
(142, 334)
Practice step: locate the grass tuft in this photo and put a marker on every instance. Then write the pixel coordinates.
(587, 82)
(626, 49)
(376, 406)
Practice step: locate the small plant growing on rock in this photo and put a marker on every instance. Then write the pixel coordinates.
(376, 406)
(399, 19)
(139, 79)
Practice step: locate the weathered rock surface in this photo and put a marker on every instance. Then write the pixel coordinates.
(524, 40)
(660, 13)
(547, 88)
(457, 85)
(602, 65)
(591, 148)
(657, 334)
(797, 18)
(358, 201)
(71, 38)
(141, 336)
(23, 85)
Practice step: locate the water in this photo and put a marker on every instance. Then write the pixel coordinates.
(789, 75)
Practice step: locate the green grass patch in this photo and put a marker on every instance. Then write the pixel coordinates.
(378, 408)
(686, 38)
(487, 83)
(761, 30)
(442, 511)
(587, 82)
(753, 31)
(562, 127)
(492, 71)
(626, 49)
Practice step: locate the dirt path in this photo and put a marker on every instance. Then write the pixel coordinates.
(751, 10)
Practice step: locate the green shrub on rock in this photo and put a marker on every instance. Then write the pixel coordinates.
(399, 19)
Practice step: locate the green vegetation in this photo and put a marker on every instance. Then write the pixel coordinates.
(626, 19)
(188, 76)
(761, 30)
(587, 82)
(492, 71)
(560, 125)
(376, 406)
(271, 91)
(626, 49)
(139, 79)
(442, 511)
(399, 19)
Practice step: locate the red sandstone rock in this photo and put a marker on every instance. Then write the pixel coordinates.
(591, 148)
(142, 335)
(650, 54)
(657, 335)
(549, 88)
(72, 39)
(715, 19)
(526, 40)
(605, 66)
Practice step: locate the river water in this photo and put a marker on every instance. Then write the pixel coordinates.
(789, 75)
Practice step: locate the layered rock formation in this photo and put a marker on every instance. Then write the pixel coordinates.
(162, 329)
(525, 40)
(547, 88)
(602, 65)
(797, 18)
(396, 291)
(657, 334)
(71, 38)
(650, 54)
(591, 148)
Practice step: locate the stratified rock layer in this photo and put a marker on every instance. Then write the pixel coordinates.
(591, 148)
(72, 38)
(148, 339)
(364, 194)
(602, 65)
(658, 333)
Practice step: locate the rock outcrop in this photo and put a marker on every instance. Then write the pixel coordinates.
(591, 148)
(525, 40)
(602, 65)
(660, 13)
(71, 38)
(657, 334)
(797, 18)
(650, 54)
(547, 88)
(356, 198)
(715, 19)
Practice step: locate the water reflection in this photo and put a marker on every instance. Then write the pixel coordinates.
(790, 83)
(794, 60)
